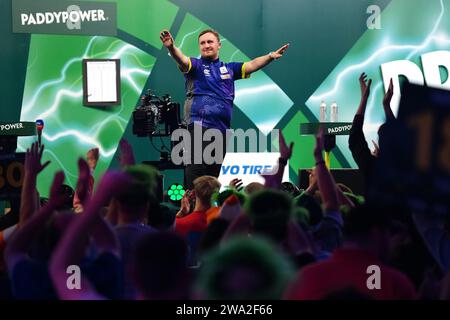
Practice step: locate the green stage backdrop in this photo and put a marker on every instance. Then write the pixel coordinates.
(331, 44)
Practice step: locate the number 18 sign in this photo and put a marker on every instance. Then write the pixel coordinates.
(414, 163)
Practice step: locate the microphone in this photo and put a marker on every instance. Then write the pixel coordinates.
(39, 128)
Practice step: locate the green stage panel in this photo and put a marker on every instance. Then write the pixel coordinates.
(145, 18)
(425, 28)
(53, 93)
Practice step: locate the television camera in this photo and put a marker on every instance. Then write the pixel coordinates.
(156, 116)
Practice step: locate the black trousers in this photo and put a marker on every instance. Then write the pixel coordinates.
(194, 170)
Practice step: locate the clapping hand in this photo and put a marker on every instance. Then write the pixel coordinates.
(185, 205)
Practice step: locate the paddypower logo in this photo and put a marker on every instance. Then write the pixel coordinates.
(63, 17)
(72, 17)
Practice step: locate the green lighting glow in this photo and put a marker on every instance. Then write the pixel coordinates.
(402, 37)
(176, 192)
(53, 92)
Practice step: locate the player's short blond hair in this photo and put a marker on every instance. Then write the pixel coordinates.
(214, 32)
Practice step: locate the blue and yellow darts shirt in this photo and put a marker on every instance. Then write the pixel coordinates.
(210, 92)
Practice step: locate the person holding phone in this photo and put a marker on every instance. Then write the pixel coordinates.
(194, 218)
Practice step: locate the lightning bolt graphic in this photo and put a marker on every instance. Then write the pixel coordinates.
(61, 79)
(359, 66)
(90, 137)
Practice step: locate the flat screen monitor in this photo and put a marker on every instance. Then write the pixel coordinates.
(101, 82)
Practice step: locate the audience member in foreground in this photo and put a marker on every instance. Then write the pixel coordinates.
(243, 268)
(366, 243)
(187, 220)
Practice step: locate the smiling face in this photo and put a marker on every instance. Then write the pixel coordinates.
(209, 46)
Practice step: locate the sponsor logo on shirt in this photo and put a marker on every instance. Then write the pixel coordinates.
(223, 70)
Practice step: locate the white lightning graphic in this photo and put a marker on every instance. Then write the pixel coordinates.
(76, 94)
(415, 48)
(256, 90)
(440, 39)
(188, 35)
(127, 74)
(61, 93)
(83, 138)
(432, 36)
(234, 53)
(67, 172)
(116, 118)
(61, 79)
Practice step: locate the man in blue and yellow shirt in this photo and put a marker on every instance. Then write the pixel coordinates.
(210, 88)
